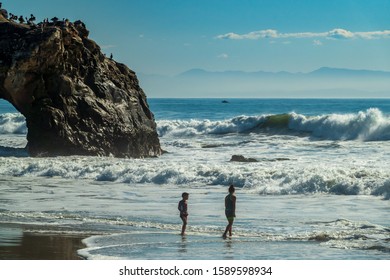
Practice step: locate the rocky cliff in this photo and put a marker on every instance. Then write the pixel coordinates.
(76, 100)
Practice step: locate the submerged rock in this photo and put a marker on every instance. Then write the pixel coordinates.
(75, 100)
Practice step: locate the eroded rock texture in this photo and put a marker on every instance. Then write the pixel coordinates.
(76, 101)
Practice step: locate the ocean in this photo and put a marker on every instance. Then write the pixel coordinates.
(316, 184)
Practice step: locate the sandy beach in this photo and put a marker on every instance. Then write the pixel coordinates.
(19, 243)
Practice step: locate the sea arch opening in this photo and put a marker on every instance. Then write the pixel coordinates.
(13, 131)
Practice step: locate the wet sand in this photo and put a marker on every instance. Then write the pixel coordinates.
(18, 243)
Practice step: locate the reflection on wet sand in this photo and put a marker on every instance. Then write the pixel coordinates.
(15, 244)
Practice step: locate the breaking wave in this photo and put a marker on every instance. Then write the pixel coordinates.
(369, 125)
(12, 123)
(257, 178)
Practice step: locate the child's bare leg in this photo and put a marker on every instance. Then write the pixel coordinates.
(228, 229)
(183, 228)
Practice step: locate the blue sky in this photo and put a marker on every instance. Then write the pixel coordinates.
(171, 36)
(159, 39)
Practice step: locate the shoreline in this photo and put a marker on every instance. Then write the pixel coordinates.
(18, 242)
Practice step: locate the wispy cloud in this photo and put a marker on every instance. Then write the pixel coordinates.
(337, 34)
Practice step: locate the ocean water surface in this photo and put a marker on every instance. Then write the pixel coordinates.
(318, 186)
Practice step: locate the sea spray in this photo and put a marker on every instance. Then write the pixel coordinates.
(369, 125)
(12, 123)
(263, 177)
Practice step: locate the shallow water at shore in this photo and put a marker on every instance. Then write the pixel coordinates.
(20, 243)
(141, 221)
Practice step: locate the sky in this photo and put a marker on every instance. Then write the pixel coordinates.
(168, 37)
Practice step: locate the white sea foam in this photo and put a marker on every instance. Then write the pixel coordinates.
(287, 163)
(206, 243)
(12, 123)
(141, 221)
(370, 125)
(279, 177)
(198, 127)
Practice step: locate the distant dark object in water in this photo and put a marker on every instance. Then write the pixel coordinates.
(241, 158)
(225, 101)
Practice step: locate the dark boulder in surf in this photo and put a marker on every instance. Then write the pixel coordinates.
(76, 101)
(241, 158)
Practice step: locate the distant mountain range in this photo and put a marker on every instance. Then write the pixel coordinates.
(321, 72)
(323, 82)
